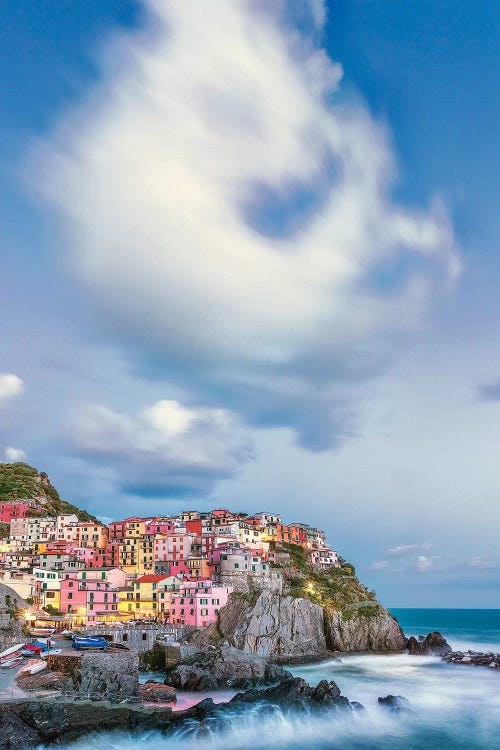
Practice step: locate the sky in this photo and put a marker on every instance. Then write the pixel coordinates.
(250, 259)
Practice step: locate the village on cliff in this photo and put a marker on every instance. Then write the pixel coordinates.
(177, 570)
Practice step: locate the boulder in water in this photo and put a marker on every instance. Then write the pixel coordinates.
(434, 644)
(156, 692)
(395, 703)
(296, 694)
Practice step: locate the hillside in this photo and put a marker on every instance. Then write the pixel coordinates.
(19, 481)
(333, 589)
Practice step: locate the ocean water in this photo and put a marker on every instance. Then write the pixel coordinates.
(453, 707)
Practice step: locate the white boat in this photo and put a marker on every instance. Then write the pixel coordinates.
(11, 663)
(34, 667)
(42, 640)
(11, 650)
(52, 651)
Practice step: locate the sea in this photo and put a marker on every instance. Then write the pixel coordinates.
(453, 707)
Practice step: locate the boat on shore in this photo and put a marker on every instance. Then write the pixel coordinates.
(89, 641)
(33, 667)
(16, 659)
(11, 650)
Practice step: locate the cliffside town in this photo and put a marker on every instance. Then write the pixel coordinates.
(263, 585)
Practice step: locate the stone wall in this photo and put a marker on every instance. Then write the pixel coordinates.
(10, 626)
(64, 663)
(113, 677)
(245, 582)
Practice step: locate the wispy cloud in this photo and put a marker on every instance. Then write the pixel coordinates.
(424, 564)
(166, 450)
(14, 454)
(403, 550)
(233, 219)
(480, 562)
(379, 565)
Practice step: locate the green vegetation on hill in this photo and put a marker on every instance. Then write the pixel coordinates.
(334, 589)
(19, 481)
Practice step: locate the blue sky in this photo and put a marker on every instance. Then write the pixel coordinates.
(251, 259)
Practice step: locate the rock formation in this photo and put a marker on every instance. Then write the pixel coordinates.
(473, 658)
(434, 644)
(27, 724)
(225, 667)
(395, 704)
(357, 631)
(157, 692)
(94, 676)
(288, 629)
(280, 628)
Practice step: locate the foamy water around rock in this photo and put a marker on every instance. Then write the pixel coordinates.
(453, 707)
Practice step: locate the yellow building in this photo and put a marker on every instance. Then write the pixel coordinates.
(151, 596)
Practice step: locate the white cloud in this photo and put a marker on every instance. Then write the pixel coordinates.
(403, 550)
(235, 223)
(424, 564)
(14, 454)
(166, 449)
(10, 387)
(380, 565)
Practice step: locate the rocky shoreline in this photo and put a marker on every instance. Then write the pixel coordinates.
(28, 723)
(474, 658)
(101, 692)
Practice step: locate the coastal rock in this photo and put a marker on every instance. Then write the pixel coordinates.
(436, 644)
(157, 692)
(27, 724)
(280, 628)
(296, 694)
(112, 677)
(474, 658)
(433, 644)
(359, 631)
(224, 667)
(395, 703)
(47, 680)
(413, 646)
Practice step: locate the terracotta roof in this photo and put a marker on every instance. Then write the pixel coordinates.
(151, 578)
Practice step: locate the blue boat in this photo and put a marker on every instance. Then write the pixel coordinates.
(89, 641)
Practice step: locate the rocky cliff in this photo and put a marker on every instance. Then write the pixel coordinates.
(319, 612)
(281, 628)
(379, 631)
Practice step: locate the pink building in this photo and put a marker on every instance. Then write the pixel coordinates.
(179, 568)
(10, 509)
(88, 601)
(198, 603)
(91, 558)
(159, 526)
